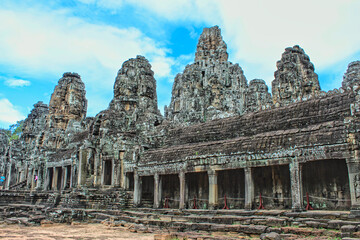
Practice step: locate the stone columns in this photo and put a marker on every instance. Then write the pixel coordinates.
(182, 190)
(157, 191)
(296, 186)
(353, 166)
(213, 189)
(249, 188)
(137, 189)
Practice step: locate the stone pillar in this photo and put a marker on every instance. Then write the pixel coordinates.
(32, 182)
(157, 191)
(65, 176)
(29, 178)
(47, 179)
(122, 172)
(182, 189)
(62, 177)
(8, 177)
(97, 170)
(213, 189)
(137, 189)
(353, 166)
(160, 190)
(72, 173)
(102, 172)
(82, 167)
(114, 174)
(296, 186)
(249, 188)
(54, 181)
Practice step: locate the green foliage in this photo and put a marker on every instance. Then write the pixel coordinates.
(15, 130)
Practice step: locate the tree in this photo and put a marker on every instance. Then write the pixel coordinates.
(16, 130)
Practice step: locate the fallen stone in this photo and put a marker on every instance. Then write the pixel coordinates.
(271, 236)
(348, 228)
(335, 224)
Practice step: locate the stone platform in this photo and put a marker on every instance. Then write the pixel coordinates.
(183, 223)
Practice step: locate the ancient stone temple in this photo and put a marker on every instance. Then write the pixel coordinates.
(211, 87)
(222, 141)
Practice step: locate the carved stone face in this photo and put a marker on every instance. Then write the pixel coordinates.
(285, 91)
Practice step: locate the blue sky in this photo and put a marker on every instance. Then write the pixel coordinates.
(40, 40)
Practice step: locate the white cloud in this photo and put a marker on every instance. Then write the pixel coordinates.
(12, 82)
(111, 4)
(257, 32)
(52, 42)
(8, 112)
(161, 66)
(174, 10)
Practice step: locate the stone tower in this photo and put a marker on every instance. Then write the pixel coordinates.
(35, 123)
(134, 105)
(135, 87)
(257, 96)
(352, 75)
(295, 78)
(67, 102)
(211, 87)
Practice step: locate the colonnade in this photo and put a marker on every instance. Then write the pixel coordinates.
(296, 185)
(59, 178)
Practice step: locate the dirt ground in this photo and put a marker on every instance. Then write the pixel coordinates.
(64, 231)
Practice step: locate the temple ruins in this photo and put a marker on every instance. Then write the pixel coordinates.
(223, 140)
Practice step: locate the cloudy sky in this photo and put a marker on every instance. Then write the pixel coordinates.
(42, 39)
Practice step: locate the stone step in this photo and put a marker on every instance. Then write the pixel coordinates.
(329, 215)
(250, 230)
(215, 222)
(227, 219)
(189, 226)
